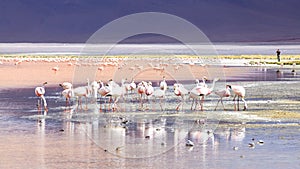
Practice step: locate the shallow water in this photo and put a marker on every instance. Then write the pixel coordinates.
(76, 49)
(69, 137)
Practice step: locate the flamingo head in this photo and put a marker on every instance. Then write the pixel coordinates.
(228, 86)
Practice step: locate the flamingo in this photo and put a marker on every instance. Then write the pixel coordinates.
(126, 85)
(94, 89)
(66, 85)
(103, 91)
(163, 84)
(82, 91)
(116, 92)
(40, 92)
(55, 69)
(201, 91)
(68, 94)
(240, 92)
(141, 90)
(159, 93)
(132, 85)
(180, 90)
(198, 84)
(149, 89)
(203, 84)
(221, 94)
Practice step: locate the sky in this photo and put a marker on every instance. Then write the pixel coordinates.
(74, 21)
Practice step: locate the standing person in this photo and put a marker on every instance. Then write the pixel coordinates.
(278, 55)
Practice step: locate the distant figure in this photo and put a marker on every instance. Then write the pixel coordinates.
(278, 55)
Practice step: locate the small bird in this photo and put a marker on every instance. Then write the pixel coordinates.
(235, 148)
(189, 143)
(260, 142)
(251, 145)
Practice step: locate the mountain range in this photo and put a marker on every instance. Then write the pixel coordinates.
(74, 21)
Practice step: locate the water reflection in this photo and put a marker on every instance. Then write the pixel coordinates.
(147, 137)
(40, 147)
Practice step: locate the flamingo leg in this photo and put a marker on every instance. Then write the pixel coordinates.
(218, 103)
(197, 103)
(109, 102)
(160, 103)
(86, 103)
(238, 101)
(149, 101)
(234, 102)
(182, 102)
(141, 101)
(38, 105)
(100, 108)
(80, 103)
(202, 101)
(44, 102)
(222, 103)
(115, 106)
(192, 104)
(245, 104)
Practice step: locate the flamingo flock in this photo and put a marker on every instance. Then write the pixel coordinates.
(112, 92)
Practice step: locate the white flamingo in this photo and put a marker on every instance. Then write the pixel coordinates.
(126, 86)
(180, 90)
(200, 92)
(132, 85)
(94, 89)
(79, 92)
(159, 93)
(66, 85)
(163, 84)
(203, 84)
(116, 92)
(221, 94)
(240, 92)
(149, 90)
(40, 92)
(103, 91)
(141, 90)
(68, 94)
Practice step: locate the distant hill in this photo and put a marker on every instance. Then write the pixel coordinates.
(220, 20)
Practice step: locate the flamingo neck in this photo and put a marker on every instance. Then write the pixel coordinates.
(213, 86)
(44, 100)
